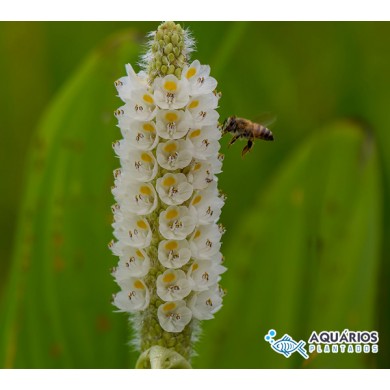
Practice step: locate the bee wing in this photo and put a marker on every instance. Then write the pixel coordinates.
(265, 118)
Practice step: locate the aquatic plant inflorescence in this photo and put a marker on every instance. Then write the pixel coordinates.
(168, 203)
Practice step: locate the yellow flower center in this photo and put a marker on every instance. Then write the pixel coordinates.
(142, 224)
(169, 181)
(171, 117)
(169, 277)
(197, 166)
(171, 245)
(170, 86)
(195, 133)
(197, 199)
(169, 306)
(148, 127)
(170, 147)
(171, 214)
(146, 157)
(194, 104)
(148, 99)
(190, 72)
(145, 190)
(138, 284)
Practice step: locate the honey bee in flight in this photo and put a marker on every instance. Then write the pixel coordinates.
(244, 128)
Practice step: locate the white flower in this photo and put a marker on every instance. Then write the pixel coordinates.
(122, 149)
(204, 141)
(132, 263)
(174, 316)
(200, 174)
(174, 253)
(138, 198)
(199, 79)
(170, 92)
(216, 163)
(202, 103)
(206, 118)
(173, 188)
(116, 247)
(138, 135)
(173, 124)
(202, 274)
(205, 241)
(140, 166)
(133, 297)
(207, 204)
(125, 85)
(140, 106)
(132, 230)
(175, 154)
(206, 303)
(173, 285)
(119, 183)
(177, 222)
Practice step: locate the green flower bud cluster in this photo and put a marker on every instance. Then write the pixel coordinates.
(168, 56)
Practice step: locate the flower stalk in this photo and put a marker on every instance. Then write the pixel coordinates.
(168, 202)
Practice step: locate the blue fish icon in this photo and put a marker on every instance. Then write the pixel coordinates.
(286, 345)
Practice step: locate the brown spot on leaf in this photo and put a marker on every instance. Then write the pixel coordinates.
(297, 196)
(103, 324)
(59, 264)
(55, 350)
(58, 239)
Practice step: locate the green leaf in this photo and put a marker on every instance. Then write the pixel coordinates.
(57, 305)
(305, 257)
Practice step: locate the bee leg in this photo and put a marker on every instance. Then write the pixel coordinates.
(233, 140)
(247, 148)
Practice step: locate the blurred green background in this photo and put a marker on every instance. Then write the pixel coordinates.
(308, 225)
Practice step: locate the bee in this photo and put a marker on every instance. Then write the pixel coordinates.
(244, 128)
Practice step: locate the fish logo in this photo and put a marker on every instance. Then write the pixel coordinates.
(286, 345)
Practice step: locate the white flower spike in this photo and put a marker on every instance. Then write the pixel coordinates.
(167, 198)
